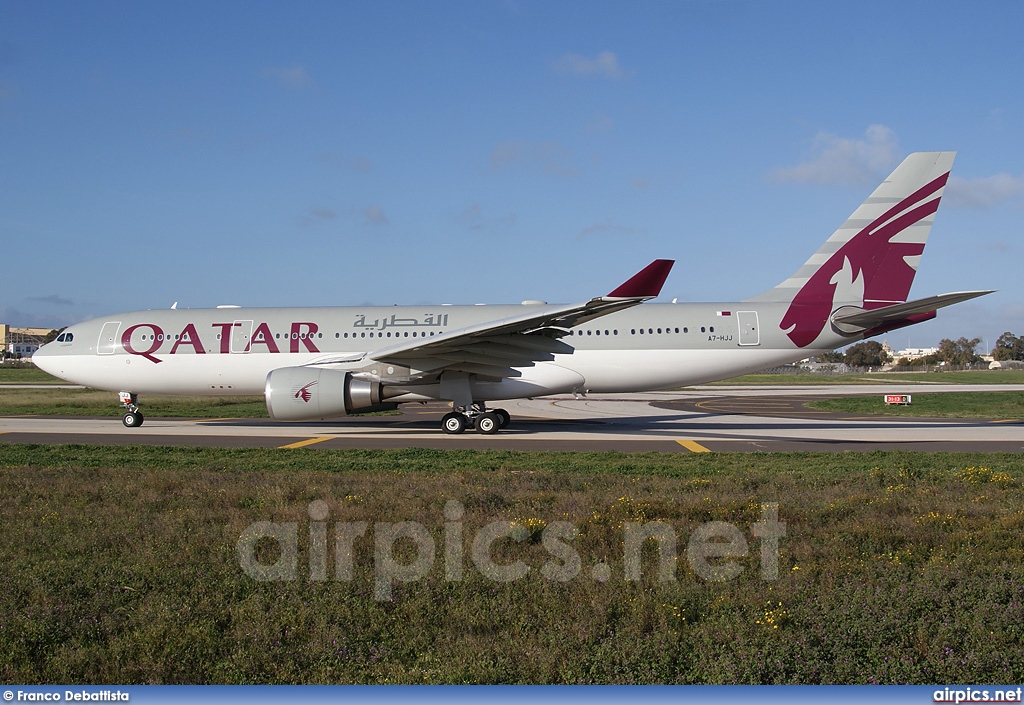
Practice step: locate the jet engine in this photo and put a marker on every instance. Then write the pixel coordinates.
(310, 393)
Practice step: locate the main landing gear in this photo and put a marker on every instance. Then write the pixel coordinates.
(477, 416)
(132, 417)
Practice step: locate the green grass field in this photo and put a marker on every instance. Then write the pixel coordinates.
(959, 377)
(89, 402)
(986, 405)
(120, 565)
(26, 374)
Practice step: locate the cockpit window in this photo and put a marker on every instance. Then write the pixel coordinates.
(65, 337)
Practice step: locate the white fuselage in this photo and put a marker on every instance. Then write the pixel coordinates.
(230, 351)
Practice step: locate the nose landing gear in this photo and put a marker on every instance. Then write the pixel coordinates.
(132, 417)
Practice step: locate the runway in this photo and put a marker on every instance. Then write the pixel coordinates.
(702, 419)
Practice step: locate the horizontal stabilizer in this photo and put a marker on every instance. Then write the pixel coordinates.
(852, 319)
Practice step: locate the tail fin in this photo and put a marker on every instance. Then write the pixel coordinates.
(871, 260)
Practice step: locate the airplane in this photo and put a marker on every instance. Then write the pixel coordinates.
(323, 363)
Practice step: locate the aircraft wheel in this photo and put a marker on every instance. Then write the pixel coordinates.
(453, 422)
(488, 422)
(504, 418)
(132, 419)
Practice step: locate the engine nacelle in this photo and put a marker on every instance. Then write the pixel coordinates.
(311, 394)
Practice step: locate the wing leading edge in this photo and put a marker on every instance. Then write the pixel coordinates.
(495, 348)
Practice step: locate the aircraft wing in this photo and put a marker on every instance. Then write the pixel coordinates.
(857, 318)
(494, 348)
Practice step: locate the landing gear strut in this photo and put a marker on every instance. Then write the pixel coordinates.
(132, 417)
(477, 416)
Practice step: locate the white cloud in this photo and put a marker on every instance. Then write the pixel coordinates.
(547, 157)
(317, 214)
(984, 192)
(52, 299)
(323, 213)
(605, 65)
(610, 231)
(847, 162)
(599, 125)
(375, 215)
(290, 76)
(359, 164)
(999, 246)
(24, 319)
(475, 219)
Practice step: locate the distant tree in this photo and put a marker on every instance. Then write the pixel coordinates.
(52, 335)
(831, 356)
(1008, 347)
(959, 351)
(870, 353)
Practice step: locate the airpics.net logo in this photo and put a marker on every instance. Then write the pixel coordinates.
(407, 551)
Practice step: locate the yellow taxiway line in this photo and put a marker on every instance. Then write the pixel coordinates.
(693, 446)
(308, 442)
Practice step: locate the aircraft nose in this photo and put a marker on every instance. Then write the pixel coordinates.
(43, 358)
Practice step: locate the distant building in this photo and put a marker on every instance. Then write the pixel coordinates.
(22, 349)
(21, 341)
(914, 353)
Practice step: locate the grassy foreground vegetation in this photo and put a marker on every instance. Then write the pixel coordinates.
(120, 565)
(952, 377)
(983, 405)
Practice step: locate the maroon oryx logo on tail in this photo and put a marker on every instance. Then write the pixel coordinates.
(870, 259)
(304, 394)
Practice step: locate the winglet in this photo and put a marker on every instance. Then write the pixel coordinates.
(646, 283)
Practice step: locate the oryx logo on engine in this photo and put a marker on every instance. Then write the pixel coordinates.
(303, 392)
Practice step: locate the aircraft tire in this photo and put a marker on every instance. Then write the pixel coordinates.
(488, 423)
(504, 417)
(132, 419)
(453, 423)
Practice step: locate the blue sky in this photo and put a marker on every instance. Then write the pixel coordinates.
(342, 153)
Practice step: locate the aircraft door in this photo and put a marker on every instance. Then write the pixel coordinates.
(749, 334)
(107, 342)
(241, 332)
